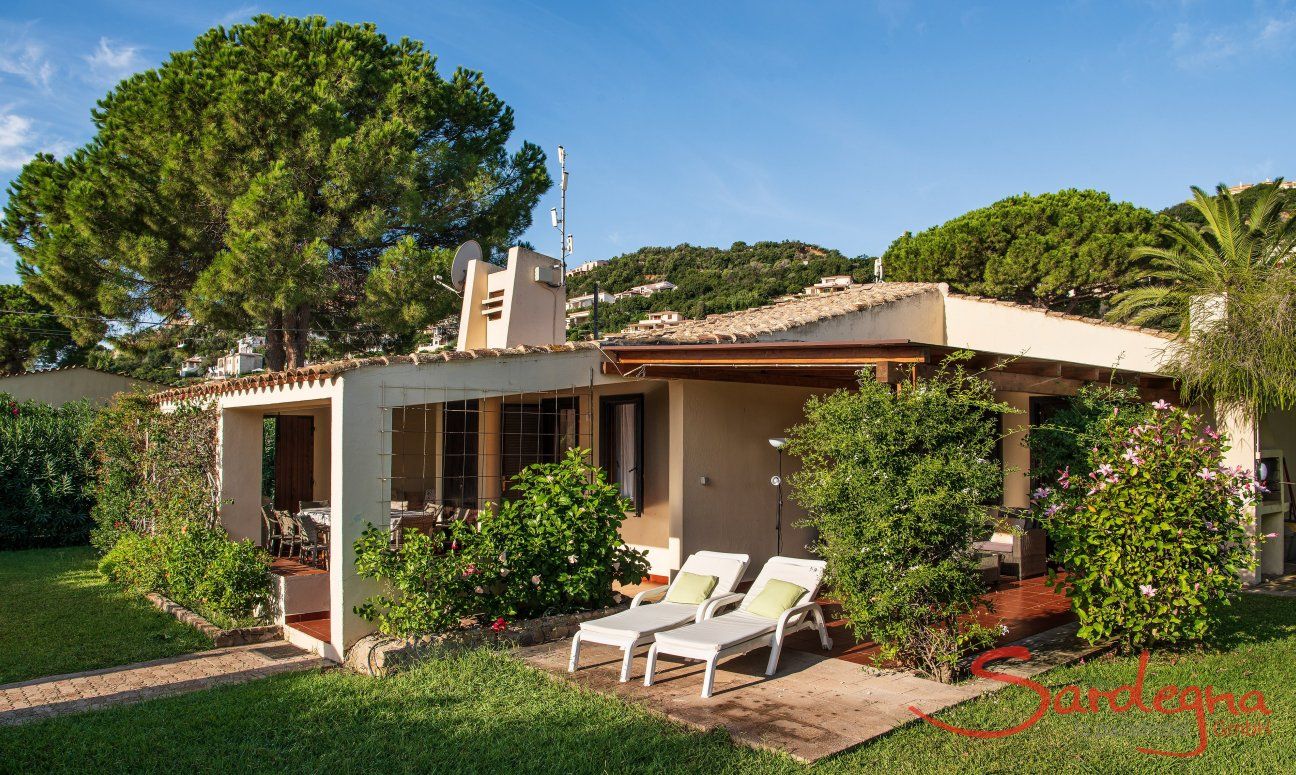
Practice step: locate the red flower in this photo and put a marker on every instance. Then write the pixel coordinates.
(499, 625)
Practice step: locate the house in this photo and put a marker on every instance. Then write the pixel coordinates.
(679, 417)
(70, 383)
(243, 359)
(586, 301)
(656, 321)
(585, 267)
(832, 284)
(647, 289)
(192, 366)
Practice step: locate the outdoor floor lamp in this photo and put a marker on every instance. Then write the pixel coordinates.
(777, 481)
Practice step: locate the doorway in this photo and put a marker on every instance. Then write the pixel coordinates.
(294, 472)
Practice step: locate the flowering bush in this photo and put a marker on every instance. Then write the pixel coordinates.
(1153, 539)
(555, 547)
(895, 482)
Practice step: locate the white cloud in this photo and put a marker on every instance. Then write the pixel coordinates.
(15, 138)
(110, 62)
(241, 15)
(19, 142)
(1196, 47)
(26, 60)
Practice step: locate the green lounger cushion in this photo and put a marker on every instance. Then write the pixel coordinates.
(777, 597)
(691, 588)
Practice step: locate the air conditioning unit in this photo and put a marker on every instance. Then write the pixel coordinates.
(548, 275)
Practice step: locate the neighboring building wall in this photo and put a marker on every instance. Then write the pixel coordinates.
(723, 431)
(59, 386)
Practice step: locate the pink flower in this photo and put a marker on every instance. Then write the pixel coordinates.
(478, 590)
(1206, 474)
(1161, 405)
(1051, 510)
(470, 569)
(1104, 470)
(499, 625)
(1209, 431)
(1147, 590)
(536, 579)
(504, 572)
(571, 559)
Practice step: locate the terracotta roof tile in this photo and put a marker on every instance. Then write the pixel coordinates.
(317, 372)
(750, 324)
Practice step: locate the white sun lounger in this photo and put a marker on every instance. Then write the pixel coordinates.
(636, 626)
(739, 632)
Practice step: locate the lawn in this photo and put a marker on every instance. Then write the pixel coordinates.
(58, 615)
(484, 712)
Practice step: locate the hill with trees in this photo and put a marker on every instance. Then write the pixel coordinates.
(1069, 250)
(709, 280)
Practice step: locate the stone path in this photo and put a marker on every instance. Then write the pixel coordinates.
(816, 706)
(56, 695)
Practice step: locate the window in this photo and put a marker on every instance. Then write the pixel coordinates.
(622, 445)
(536, 432)
(459, 454)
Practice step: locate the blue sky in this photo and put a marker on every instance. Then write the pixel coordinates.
(707, 123)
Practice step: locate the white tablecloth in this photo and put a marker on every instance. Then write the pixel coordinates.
(323, 515)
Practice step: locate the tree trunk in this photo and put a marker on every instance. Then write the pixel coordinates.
(297, 325)
(274, 354)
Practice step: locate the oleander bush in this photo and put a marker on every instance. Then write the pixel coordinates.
(553, 548)
(1153, 537)
(895, 481)
(46, 473)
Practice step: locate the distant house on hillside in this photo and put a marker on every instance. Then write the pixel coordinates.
(585, 267)
(657, 321)
(832, 284)
(70, 383)
(1239, 188)
(647, 289)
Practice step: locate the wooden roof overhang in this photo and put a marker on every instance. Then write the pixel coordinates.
(837, 364)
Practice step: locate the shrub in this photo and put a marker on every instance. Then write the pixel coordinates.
(1153, 538)
(555, 547)
(46, 473)
(156, 512)
(226, 581)
(895, 481)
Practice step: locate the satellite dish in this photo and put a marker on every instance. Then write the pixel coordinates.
(469, 251)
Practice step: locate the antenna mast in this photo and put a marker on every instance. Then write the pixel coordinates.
(559, 217)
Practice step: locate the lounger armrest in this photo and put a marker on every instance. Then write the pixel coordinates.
(809, 606)
(709, 606)
(647, 593)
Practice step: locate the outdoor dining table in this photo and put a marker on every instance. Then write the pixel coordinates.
(322, 515)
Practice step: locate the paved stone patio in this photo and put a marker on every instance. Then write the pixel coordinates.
(816, 705)
(56, 695)
(1280, 586)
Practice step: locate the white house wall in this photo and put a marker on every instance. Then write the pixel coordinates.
(999, 328)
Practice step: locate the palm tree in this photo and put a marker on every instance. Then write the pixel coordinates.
(1228, 288)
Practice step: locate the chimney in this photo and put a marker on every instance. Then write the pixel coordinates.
(522, 303)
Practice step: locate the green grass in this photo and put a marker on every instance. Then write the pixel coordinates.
(58, 615)
(486, 712)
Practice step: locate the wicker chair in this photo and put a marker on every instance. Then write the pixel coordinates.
(290, 535)
(272, 536)
(314, 544)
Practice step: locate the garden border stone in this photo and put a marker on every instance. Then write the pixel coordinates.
(381, 655)
(237, 636)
